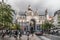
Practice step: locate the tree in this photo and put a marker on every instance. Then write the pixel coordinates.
(15, 26)
(47, 26)
(6, 15)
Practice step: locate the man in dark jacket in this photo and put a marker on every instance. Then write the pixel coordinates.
(32, 30)
(16, 34)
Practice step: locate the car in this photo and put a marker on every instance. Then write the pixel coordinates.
(39, 32)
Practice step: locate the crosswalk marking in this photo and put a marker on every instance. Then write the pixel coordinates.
(44, 38)
(55, 36)
(34, 37)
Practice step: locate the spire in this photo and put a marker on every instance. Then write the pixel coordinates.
(36, 11)
(29, 7)
(2, 1)
(46, 12)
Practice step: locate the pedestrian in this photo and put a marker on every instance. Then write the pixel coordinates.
(16, 34)
(3, 35)
(28, 35)
(32, 30)
(20, 35)
(10, 33)
(7, 32)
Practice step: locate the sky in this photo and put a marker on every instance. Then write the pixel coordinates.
(41, 5)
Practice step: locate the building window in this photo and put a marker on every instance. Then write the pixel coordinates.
(38, 27)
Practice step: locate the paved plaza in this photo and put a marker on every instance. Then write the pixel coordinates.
(24, 37)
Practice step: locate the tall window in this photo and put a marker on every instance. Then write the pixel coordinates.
(38, 27)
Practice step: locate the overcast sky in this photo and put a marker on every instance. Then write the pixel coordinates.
(41, 5)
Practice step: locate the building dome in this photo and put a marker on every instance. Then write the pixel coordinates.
(29, 7)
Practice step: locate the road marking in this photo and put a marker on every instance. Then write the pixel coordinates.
(55, 36)
(44, 38)
(34, 37)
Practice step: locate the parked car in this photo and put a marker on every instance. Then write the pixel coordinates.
(55, 31)
(39, 32)
(52, 32)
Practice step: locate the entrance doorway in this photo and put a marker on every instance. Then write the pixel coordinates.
(33, 23)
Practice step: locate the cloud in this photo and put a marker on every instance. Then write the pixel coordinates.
(41, 5)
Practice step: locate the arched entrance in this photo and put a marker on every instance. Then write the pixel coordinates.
(32, 23)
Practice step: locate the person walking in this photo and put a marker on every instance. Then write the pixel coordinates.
(3, 33)
(10, 33)
(28, 35)
(32, 30)
(20, 35)
(16, 34)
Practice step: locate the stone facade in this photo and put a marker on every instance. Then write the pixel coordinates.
(57, 19)
(29, 15)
